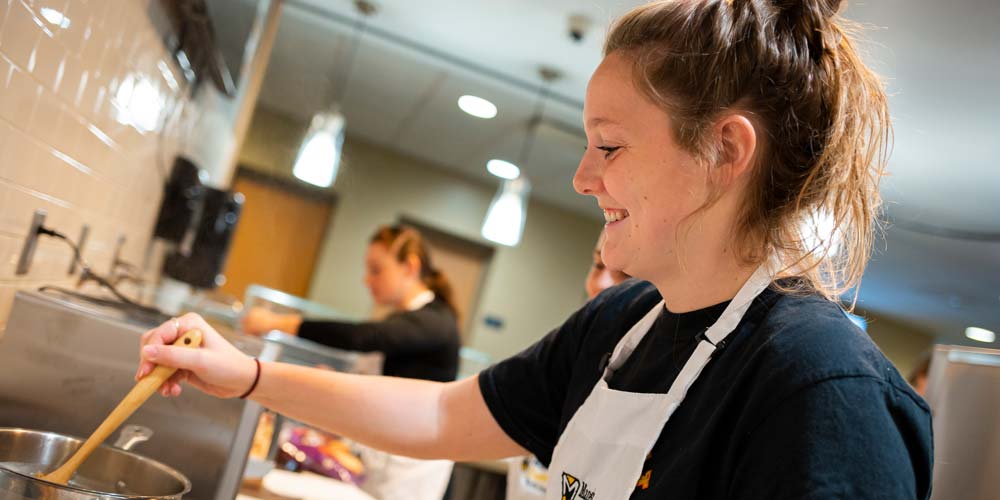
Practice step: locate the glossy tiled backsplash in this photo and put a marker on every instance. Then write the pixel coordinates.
(91, 109)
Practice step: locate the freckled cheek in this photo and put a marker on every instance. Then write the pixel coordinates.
(622, 189)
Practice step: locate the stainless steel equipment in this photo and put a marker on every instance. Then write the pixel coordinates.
(259, 295)
(308, 353)
(108, 474)
(304, 352)
(963, 389)
(64, 363)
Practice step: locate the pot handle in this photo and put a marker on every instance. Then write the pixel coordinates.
(132, 435)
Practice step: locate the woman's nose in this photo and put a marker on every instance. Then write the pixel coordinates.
(587, 180)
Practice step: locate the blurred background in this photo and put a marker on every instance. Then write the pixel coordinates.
(192, 149)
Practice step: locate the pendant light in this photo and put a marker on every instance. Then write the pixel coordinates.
(508, 211)
(318, 159)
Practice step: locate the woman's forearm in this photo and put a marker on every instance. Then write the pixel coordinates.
(409, 417)
(290, 323)
(404, 416)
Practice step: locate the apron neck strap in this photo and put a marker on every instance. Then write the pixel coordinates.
(737, 308)
(727, 322)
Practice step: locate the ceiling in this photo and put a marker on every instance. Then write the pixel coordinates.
(407, 77)
(939, 263)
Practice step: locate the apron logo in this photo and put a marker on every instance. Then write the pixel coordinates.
(573, 489)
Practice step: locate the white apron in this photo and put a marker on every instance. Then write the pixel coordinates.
(601, 453)
(391, 477)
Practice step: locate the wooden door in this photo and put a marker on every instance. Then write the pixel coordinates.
(279, 235)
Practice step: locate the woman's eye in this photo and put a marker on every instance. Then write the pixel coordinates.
(608, 150)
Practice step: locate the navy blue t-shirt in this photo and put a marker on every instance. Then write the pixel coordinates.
(798, 404)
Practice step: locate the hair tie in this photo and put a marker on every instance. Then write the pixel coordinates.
(256, 379)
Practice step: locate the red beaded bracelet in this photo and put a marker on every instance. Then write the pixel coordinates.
(256, 379)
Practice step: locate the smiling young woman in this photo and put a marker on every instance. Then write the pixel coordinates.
(718, 131)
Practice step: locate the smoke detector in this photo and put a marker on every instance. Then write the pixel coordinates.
(579, 24)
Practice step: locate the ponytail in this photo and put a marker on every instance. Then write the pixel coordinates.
(439, 284)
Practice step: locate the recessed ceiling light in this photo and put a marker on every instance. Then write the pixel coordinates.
(503, 169)
(980, 334)
(477, 106)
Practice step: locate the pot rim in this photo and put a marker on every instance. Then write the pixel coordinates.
(163, 467)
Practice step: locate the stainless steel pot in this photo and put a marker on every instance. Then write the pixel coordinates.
(110, 473)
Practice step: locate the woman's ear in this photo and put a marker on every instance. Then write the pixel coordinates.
(412, 265)
(737, 146)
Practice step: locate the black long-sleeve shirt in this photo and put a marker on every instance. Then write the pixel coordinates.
(419, 344)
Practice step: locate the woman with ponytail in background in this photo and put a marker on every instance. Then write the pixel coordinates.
(419, 337)
(736, 148)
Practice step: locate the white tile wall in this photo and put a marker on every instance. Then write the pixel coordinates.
(83, 103)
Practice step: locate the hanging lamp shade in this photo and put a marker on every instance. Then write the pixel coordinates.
(318, 160)
(504, 221)
(505, 218)
(319, 156)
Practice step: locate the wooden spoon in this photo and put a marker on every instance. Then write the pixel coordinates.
(143, 389)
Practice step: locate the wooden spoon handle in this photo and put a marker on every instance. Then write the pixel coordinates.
(143, 389)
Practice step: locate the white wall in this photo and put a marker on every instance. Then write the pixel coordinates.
(77, 142)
